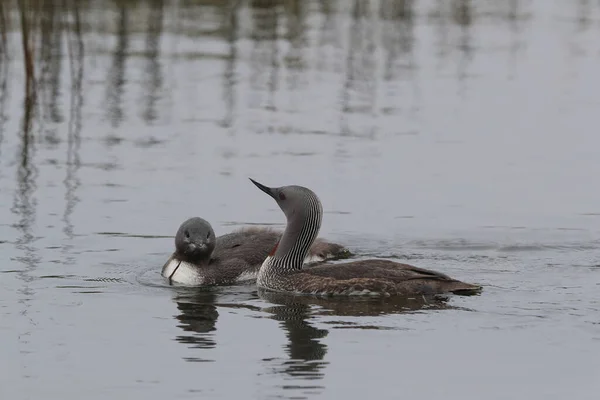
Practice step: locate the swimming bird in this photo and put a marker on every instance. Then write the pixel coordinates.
(201, 258)
(282, 270)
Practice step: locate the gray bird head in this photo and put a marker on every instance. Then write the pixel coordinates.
(195, 240)
(303, 212)
(295, 201)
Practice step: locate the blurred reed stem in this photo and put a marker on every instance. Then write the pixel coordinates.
(3, 29)
(27, 25)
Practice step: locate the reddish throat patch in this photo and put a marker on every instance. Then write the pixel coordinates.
(274, 249)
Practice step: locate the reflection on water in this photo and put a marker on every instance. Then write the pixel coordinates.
(458, 135)
(73, 163)
(361, 306)
(24, 208)
(3, 98)
(272, 45)
(153, 69)
(198, 317)
(115, 80)
(305, 351)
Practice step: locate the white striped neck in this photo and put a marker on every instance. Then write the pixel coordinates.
(301, 231)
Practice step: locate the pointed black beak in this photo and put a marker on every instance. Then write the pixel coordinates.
(264, 188)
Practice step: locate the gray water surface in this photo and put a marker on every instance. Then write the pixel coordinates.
(456, 135)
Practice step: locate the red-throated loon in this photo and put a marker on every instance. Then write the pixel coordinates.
(283, 269)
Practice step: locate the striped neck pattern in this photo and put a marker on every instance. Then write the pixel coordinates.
(300, 232)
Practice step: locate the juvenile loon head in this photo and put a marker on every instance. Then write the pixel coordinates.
(195, 240)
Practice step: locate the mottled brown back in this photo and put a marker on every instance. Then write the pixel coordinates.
(253, 245)
(374, 276)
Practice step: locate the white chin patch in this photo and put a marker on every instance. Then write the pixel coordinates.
(182, 272)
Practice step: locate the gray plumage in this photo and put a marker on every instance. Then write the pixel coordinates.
(201, 258)
(283, 270)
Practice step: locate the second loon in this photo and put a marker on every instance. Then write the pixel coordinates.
(283, 270)
(202, 259)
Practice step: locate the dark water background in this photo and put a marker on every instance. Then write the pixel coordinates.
(458, 135)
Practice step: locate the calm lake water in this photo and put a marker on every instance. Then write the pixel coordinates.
(455, 135)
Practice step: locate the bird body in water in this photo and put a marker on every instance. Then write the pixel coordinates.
(202, 259)
(283, 271)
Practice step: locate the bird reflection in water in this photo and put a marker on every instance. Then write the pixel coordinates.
(360, 305)
(198, 317)
(198, 313)
(305, 349)
(303, 365)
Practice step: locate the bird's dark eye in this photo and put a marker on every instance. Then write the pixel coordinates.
(208, 235)
(281, 196)
(187, 234)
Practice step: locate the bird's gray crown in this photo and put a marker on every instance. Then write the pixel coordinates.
(195, 240)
